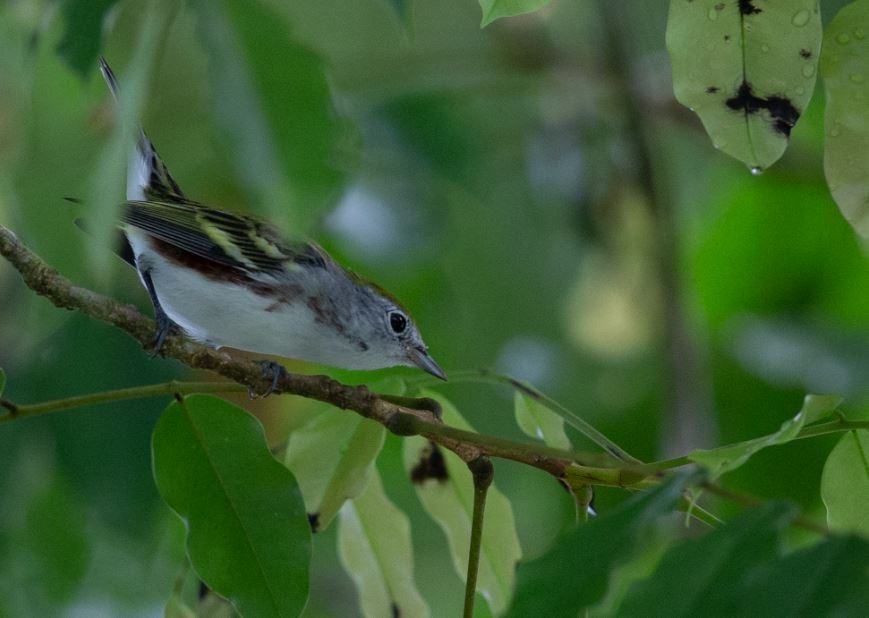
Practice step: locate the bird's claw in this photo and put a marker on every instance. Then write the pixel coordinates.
(270, 369)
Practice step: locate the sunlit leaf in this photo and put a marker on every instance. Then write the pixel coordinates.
(845, 484)
(493, 9)
(82, 32)
(539, 421)
(446, 490)
(332, 457)
(374, 546)
(248, 536)
(575, 573)
(747, 68)
(717, 562)
(726, 458)
(272, 99)
(846, 116)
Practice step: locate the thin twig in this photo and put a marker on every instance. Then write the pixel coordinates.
(483, 472)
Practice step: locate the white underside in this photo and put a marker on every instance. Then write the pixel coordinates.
(224, 314)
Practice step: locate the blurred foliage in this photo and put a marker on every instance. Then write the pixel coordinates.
(531, 191)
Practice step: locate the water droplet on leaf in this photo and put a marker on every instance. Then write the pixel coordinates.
(808, 70)
(712, 14)
(756, 170)
(859, 33)
(843, 39)
(800, 18)
(857, 78)
(764, 48)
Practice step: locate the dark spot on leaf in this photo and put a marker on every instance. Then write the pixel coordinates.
(719, 6)
(782, 112)
(396, 612)
(712, 89)
(203, 590)
(726, 37)
(805, 53)
(746, 7)
(314, 521)
(431, 465)
(363, 346)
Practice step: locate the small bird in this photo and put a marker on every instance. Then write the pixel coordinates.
(230, 280)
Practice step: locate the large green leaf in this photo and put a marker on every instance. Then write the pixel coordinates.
(726, 458)
(82, 32)
(845, 484)
(827, 579)
(575, 573)
(704, 576)
(747, 68)
(493, 9)
(446, 490)
(333, 456)
(845, 70)
(374, 546)
(248, 537)
(271, 96)
(539, 422)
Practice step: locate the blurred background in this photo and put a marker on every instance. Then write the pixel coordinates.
(531, 191)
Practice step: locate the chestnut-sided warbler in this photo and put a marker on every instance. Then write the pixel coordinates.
(231, 280)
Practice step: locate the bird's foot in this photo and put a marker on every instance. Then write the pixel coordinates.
(272, 370)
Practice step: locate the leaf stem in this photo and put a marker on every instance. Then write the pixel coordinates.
(136, 392)
(483, 473)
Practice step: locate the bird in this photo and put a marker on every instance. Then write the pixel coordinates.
(231, 280)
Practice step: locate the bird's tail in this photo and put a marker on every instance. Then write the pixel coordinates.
(147, 176)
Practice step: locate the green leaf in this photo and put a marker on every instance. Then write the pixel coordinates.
(827, 579)
(717, 564)
(333, 456)
(747, 68)
(2, 381)
(177, 608)
(82, 32)
(846, 117)
(375, 548)
(576, 572)
(444, 486)
(540, 422)
(726, 458)
(845, 484)
(248, 536)
(494, 9)
(271, 95)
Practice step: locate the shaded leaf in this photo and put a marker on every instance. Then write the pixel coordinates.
(726, 458)
(494, 9)
(446, 491)
(82, 32)
(586, 556)
(747, 68)
(2, 381)
(271, 96)
(332, 457)
(827, 579)
(248, 536)
(374, 546)
(539, 421)
(717, 564)
(845, 484)
(846, 116)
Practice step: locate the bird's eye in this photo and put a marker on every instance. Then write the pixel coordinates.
(397, 321)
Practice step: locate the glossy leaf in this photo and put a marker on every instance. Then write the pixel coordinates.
(845, 484)
(374, 545)
(82, 32)
(540, 422)
(846, 116)
(494, 9)
(272, 99)
(248, 536)
(332, 457)
(717, 563)
(444, 486)
(747, 68)
(576, 572)
(727, 458)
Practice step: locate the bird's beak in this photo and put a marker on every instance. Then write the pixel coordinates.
(421, 359)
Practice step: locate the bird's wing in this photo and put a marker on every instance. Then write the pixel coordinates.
(222, 237)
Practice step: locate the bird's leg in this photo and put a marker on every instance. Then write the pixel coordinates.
(272, 370)
(164, 324)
